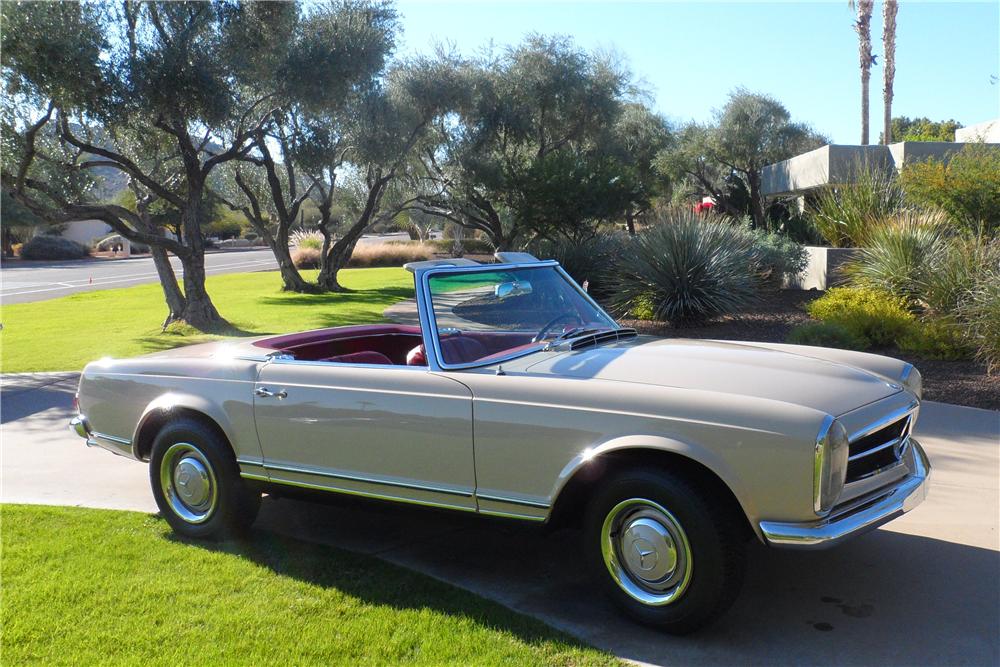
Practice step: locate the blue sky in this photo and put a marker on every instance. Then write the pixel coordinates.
(691, 54)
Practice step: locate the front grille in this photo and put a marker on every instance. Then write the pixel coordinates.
(880, 449)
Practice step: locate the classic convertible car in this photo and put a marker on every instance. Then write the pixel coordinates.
(519, 397)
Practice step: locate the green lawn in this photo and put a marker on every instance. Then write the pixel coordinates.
(88, 587)
(64, 334)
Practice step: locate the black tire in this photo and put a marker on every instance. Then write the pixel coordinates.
(709, 541)
(196, 452)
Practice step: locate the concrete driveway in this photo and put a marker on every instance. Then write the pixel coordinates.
(923, 590)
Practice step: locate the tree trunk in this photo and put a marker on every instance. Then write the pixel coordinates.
(336, 259)
(171, 290)
(199, 311)
(630, 221)
(291, 279)
(6, 242)
(889, 9)
(864, 30)
(756, 201)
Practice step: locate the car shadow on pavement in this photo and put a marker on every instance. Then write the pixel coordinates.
(883, 598)
(373, 581)
(23, 396)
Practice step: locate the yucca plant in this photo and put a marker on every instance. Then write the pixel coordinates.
(955, 266)
(685, 269)
(846, 215)
(306, 240)
(896, 257)
(980, 311)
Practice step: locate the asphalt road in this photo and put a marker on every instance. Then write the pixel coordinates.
(21, 282)
(922, 590)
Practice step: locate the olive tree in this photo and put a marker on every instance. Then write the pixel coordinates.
(527, 127)
(206, 76)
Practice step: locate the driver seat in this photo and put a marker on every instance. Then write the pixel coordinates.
(456, 350)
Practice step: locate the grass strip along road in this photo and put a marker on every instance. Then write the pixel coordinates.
(64, 334)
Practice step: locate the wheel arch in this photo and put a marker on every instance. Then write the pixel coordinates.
(586, 471)
(170, 406)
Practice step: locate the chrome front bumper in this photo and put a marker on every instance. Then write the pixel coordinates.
(885, 506)
(81, 427)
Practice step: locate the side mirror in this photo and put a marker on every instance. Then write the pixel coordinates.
(515, 288)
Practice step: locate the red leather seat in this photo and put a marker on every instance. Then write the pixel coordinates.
(455, 349)
(366, 357)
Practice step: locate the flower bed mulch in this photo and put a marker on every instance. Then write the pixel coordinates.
(959, 382)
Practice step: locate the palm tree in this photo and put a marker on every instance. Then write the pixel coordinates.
(863, 26)
(889, 9)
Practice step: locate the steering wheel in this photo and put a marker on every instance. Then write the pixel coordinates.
(540, 336)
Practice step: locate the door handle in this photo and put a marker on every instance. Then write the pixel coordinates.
(264, 392)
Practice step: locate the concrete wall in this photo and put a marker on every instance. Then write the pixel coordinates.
(824, 268)
(85, 231)
(835, 164)
(988, 131)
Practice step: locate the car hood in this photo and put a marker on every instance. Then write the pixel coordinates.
(726, 368)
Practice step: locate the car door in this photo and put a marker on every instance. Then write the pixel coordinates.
(392, 432)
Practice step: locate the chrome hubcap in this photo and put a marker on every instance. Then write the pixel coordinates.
(188, 482)
(646, 551)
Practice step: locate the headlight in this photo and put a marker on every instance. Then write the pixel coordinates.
(912, 381)
(830, 466)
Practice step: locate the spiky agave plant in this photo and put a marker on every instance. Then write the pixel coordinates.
(686, 269)
(897, 255)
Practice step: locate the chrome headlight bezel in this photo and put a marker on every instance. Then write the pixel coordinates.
(829, 465)
(912, 380)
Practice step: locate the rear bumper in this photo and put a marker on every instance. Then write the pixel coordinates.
(889, 504)
(80, 426)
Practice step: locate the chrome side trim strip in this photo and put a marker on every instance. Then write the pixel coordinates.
(368, 480)
(112, 438)
(510, 515)
(513, 501)
(366, 494)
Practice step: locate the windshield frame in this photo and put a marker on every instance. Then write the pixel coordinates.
(428, 322)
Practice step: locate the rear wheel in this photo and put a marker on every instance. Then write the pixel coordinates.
(197, 484)
(663, 551)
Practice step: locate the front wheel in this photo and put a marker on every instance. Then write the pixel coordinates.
(197, 484)
(663, 551)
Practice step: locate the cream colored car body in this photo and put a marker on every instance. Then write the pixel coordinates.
(506, 438)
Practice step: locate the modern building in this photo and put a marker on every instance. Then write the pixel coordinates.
(834, 164)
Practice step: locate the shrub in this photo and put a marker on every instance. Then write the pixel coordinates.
(845, 215)
(826, 334)
(954, 268)
(939, 338)
(390, 254)
(685, 269)
(46, 246)
(780, 257)
(967, 187)
(897, 255)
(874, 315)
(306, 258)
(981, 314)
(594, 261)
(311, 240)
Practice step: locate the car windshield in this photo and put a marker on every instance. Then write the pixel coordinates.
(481, 315)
